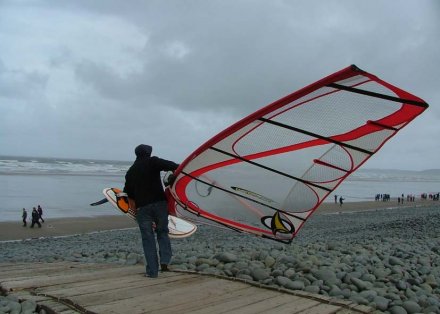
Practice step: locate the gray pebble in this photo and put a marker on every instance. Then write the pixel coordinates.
(359, 299)
(381, 303)
(397, 310)
(312, 289)
(327, 275)
(360, 284)
(411, 307)
(226, 257)
(245, 277)
(259, 274)
(295, 285)
(28, 306)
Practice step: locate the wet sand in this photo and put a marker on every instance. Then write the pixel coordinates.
(332, 208)
(13, 230)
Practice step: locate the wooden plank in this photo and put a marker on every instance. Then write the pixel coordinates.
(295, 307)
(283, 303)
(56, 266)
(198, 289)
(48, 270)
(192, 304)
(57, 307)
(91, 286)
(322, 308)
(261, 299)
(69, 276)
(105, 278)
(69, 312)
(106, 288)
(222, 293)
(26, 295)
(14, 271)
(147, 294)
(113, 284)
(361, 308)
(345, 311)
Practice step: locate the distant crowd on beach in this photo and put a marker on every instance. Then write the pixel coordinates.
(431, 196)
(36, 216)
(409, 197)
(382, 197)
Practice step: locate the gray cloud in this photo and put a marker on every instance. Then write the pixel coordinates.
(174, 73)
(16, 83)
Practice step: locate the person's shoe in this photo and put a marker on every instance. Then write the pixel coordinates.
(150, 276)
(164, 267)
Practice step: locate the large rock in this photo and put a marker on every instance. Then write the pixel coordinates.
(312, 289)
(14, 306)
(132, 259)
(28, 306)
(260, 274)
(282, 281)
(269, 261)
(360, 284)
(327, 275)
(226, 257)
(396, 309)
(381, 303)
(395, 261)
(411, 307)
(295, 285)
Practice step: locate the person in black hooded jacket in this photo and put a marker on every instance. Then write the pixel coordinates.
(144, 188)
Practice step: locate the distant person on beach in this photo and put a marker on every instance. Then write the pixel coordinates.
(40, 213)
(145, 192)
(341, 201)
(336, 199)
(24, 216)
(35, 218)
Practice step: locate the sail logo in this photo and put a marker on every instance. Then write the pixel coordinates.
(278, 224)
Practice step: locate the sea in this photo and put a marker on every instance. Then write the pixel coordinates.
(66, 187)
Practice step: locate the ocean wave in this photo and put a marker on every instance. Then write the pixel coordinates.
(23, 165)
(10, 165)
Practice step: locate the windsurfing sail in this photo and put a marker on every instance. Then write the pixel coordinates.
(267, 173)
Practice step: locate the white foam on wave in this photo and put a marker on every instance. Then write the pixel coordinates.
(60, 166)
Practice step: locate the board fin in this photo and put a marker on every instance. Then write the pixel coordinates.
(104, 200)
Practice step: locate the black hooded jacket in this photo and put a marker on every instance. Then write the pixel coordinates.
(143, 182)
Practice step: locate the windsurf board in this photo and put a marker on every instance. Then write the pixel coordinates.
(178, 227)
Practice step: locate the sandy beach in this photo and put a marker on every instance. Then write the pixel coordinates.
(53, 227)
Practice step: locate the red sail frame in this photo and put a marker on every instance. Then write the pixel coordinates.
(411, 107)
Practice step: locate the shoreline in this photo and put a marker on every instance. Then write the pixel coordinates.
(363, 206)
(59, 227)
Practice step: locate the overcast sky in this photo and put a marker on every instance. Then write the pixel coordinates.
(92, 79)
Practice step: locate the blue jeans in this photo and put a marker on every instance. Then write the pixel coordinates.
(147, 215)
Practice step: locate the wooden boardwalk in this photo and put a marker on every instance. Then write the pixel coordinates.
(104, 288)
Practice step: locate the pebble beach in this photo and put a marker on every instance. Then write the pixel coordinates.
(383, 256)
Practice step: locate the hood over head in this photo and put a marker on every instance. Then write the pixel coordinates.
(143, 151)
